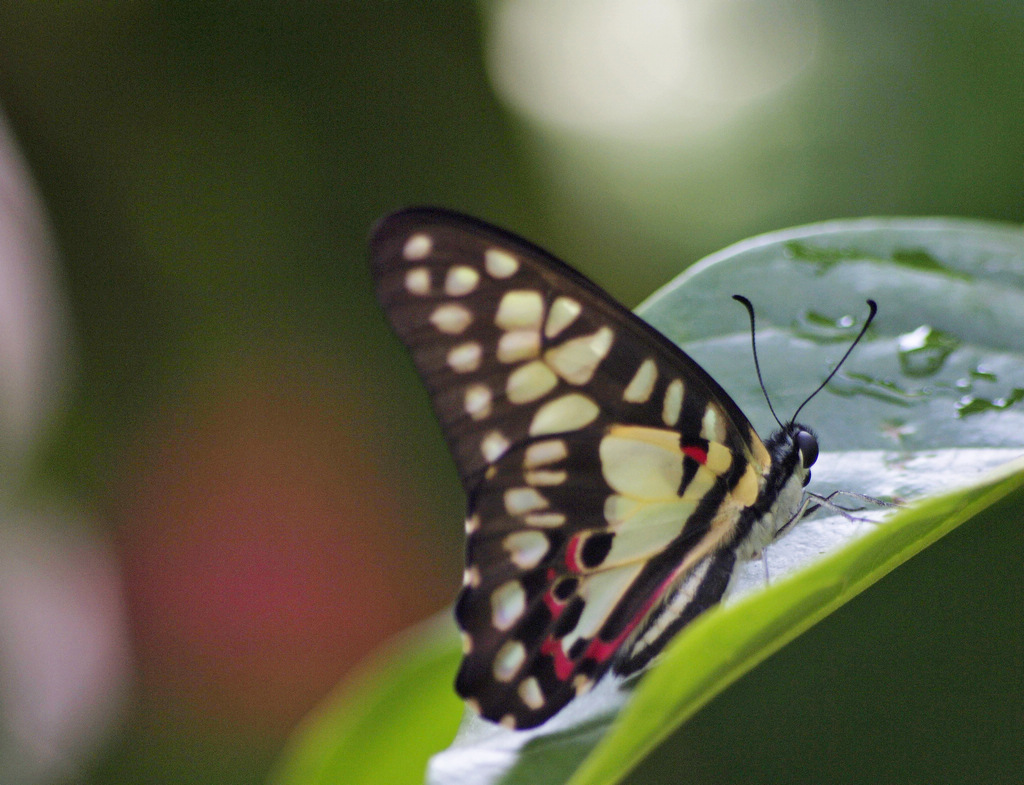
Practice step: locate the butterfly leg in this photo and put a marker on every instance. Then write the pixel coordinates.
(815, 502)
(827, 503)
(806, 508)
(827, 500)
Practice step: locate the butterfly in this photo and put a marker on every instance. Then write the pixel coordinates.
(612, 485)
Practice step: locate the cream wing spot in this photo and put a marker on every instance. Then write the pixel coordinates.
(417, 247)
(644, 463)
(547, 520)
(499, 263)
(702, 482)
(529, 692)
(526, 548)
(641, 385)
(760, 452)
(748, 488)
(520, 309)
(467, 643)
(618, 508)
(471, 577)
(712, 425)
(465, 357)
(493, 446)
(417, 281)
(472, 523)
(648, 531)
(508, 722)
(567, 413)
(719, 458)
(545, 453)
(507, 605)
(582, 684)
(519, 501)
(673, 403)
(546, 477)
(477, 401)
(529, 382)
(577, 359)
(509, 660)
(563, 312)
(461, 280)
(518, 345)
(452, 319)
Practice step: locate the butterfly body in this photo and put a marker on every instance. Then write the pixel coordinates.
(778, 504)
(612, 484)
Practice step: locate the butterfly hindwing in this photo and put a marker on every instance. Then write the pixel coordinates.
(605, 471)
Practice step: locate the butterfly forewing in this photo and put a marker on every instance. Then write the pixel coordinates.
(604, 469)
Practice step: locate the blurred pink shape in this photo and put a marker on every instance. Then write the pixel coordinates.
(63, 646)
(63, 637)
(33, 330)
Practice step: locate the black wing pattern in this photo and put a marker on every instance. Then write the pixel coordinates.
(606, 472)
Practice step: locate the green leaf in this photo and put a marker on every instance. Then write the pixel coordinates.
(947, 338)
(929, 401)
(386, 719)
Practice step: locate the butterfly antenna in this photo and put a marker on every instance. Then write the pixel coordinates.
(753, 344)
(873, 309)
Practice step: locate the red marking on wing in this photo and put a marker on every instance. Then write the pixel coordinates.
(599, 650)
(572, 554)
(698, 454)
(563, 665)
(554, 605)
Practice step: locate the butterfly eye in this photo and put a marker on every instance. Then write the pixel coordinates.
(808, 447)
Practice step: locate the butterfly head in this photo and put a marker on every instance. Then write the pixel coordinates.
(807, 446)
(794, 450)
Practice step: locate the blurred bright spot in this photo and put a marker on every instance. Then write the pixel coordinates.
(649, 67)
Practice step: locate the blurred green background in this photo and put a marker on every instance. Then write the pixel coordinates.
(239, 441)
